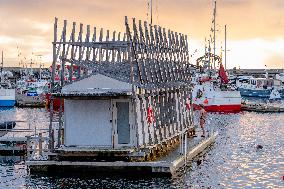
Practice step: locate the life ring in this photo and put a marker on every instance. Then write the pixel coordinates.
(150, 115)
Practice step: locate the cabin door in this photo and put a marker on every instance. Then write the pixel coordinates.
(122, 123)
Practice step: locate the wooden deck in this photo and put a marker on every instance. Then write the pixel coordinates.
(167, 165)
(13, 145)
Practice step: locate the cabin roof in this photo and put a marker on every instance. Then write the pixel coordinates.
(97, 85)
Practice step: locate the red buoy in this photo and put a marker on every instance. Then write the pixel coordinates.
(205, 101)
(150, 115)
(187, 104)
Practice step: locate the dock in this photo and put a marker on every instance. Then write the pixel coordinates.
(261, 108)
(15, 141)
(168, 165)
(13, 145)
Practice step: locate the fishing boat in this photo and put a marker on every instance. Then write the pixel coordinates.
(7, 96)
(214, 93)
(7, 93)
(211, 87)
(280, 77)
(31, 87)
(261, 87)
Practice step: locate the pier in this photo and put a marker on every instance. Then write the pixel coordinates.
(262, 108)
(16, 141)
(13, 146)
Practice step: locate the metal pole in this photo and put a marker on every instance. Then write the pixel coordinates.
(185, 147)
(214, 35)
(60, 124)
(54, 56)
(2, 63)
(52, 84)
(40, 143)
(151, 11)
(225, 47)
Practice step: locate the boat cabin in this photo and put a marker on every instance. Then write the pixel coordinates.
(264, 83)
(98, 113)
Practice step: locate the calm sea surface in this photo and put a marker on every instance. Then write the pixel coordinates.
(233, 161)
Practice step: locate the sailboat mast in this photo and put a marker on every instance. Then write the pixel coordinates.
(2, 64)
(225, 47)
(214, 30)
(151, 13)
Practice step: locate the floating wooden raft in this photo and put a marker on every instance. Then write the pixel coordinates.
(170, 165)
(261, 108)
(13, 145)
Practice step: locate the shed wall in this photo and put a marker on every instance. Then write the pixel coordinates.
(87, 123)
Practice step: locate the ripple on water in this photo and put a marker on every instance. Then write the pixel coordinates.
(233, 161)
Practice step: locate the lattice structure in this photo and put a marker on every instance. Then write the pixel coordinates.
(158, 57)
(153, 59)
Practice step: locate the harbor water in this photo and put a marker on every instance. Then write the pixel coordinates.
(234, 161)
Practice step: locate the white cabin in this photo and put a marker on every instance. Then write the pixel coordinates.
(99, 113)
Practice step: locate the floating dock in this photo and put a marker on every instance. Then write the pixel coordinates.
(14, 141)
(13, 145)
(130, 108)
(168, 165)
(261, 108)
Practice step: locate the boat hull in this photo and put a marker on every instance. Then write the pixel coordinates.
(220, 108)
(215, 100)
(7, 103)
(7, 98)
(255, 93)
(258, 93)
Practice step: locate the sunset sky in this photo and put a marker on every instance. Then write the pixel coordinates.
(255, 27)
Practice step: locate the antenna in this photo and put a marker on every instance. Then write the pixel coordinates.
(225, 47)
(214, 34)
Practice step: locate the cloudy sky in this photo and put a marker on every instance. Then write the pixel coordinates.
(255, 27)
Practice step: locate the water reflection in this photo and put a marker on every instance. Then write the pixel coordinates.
(233, 162)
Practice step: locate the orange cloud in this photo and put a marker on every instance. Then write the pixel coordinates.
(29, 23)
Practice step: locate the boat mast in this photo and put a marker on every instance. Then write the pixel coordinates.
(151, 13)
(214, 30)
(2, 63)
(225, 47)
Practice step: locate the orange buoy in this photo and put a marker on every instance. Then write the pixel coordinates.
(205, 101)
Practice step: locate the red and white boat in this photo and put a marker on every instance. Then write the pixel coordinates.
(211, 89)
(207, 91)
